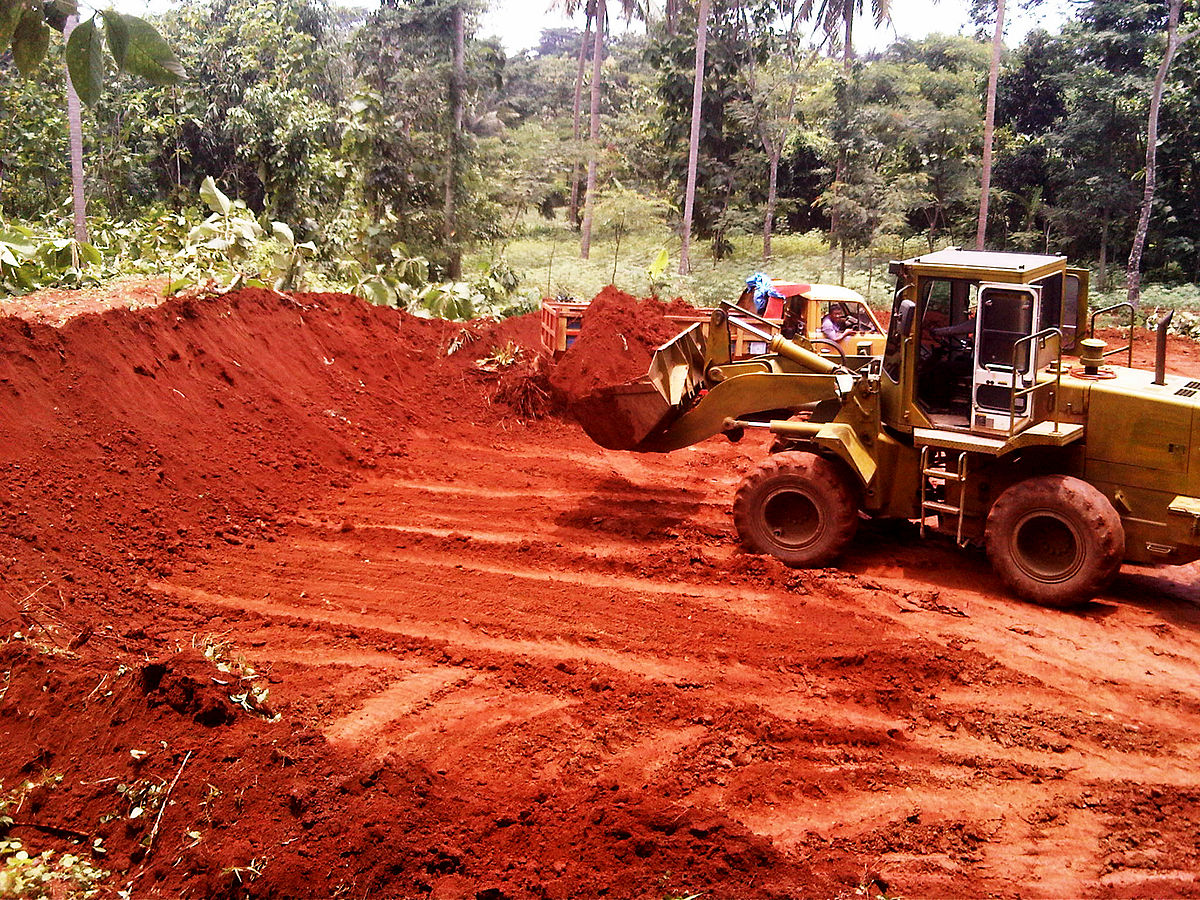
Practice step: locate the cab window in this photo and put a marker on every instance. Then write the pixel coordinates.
(1007, 317)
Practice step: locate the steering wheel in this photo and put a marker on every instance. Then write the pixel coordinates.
(840, 352)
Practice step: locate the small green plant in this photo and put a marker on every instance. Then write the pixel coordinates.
(1183, 323)
(30, 261)
(216, 247)
(247, 688)
(657, 272)
(46, 874)
(501, 357)
(290, 256)
(230, 248)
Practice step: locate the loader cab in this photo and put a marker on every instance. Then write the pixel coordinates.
(968, 332)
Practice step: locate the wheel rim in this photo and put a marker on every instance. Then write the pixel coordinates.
(792, 519)
(1048, 547)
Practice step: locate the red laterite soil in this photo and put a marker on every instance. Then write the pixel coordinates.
(295, 581)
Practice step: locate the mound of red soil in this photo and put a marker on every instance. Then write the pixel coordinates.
(504, 664)
(128, 436)
(618, 337)
(601, 380)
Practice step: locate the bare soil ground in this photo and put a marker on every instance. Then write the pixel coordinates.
(503, 662)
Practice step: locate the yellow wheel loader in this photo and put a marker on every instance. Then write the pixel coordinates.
(973, 422)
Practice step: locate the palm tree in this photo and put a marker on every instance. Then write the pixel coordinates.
(1133, 274)
(833, 16)
(989, 126)
(689, 196)
(629, 7)
(573, 206)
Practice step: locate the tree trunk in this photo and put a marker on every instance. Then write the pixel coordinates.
(454, 146)
(1133, 275)
(989, 127)
(772, 198)
(75, 124)
(589, 197)
(839, 173)
(1103, 279)
(576, 116)
(689, 196)
(773, 146)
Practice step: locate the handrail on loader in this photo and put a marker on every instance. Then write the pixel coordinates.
(1043, 336)
(742, 311)
(1132, 315)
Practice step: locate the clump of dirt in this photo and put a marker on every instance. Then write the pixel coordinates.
(188, 683)
(618, 337)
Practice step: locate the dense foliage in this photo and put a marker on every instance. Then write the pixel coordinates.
(339, 125)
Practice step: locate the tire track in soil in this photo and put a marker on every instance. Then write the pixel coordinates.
(823, 711)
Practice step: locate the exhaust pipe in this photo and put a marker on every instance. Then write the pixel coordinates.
(1160, 349)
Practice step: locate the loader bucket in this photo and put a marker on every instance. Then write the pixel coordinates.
(622, 416)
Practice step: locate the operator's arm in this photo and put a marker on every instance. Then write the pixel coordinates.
(831, 331)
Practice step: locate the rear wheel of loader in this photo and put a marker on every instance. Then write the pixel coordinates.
(797, 507)
(1054, 539)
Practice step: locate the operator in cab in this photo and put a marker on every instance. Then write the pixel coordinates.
(835, 326)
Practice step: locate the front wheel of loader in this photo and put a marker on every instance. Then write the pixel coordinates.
(798, 507)
(1054, 539)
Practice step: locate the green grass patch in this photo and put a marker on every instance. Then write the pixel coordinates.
(547, 256)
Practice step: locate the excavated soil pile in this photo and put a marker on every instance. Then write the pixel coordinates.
(601, 380)
(138, 447)
(307, 610)
(618, 337)
(127, 436)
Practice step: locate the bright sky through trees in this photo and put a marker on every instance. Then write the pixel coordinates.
(519, 23)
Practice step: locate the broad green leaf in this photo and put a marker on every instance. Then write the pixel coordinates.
(203, 231)
(284, 233)
(85, 61)
(90, 253)
(19, 239)
(10, 16)
(659, 266)
(211, 194)
(30, 41)
(139, 48)
(58, 11)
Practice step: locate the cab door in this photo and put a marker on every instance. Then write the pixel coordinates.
(1007, 314)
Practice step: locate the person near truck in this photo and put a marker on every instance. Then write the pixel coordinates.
(834, 326)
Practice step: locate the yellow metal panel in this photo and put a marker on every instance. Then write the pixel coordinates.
(841, 439)
(1141, 425)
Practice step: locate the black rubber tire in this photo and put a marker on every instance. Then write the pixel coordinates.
(798, 507)
(1055, 540)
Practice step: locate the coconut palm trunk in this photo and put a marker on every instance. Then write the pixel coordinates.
(589, 197)
(576, 122)
(989, 128)
(689, 196)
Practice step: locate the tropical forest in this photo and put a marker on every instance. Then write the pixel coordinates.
(401, 154)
